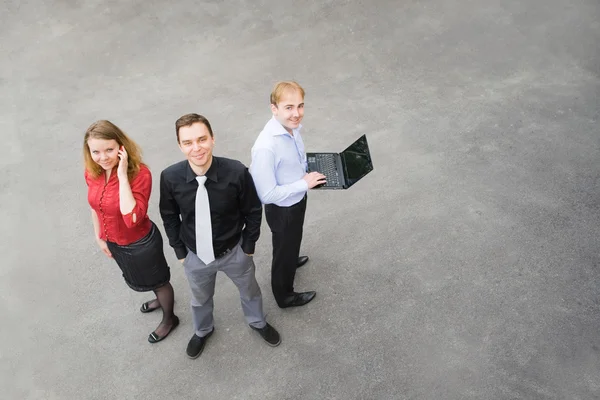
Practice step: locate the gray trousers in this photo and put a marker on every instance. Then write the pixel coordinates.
(201, 277)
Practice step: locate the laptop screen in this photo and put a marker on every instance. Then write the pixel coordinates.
(357, 160)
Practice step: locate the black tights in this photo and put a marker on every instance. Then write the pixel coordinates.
(166, 299)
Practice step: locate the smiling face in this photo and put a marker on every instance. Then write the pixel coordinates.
(196, 142)
(105, 153)
(289, 110)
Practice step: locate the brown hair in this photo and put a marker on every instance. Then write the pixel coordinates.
(106, 130)
(281, 87)
(189, 120)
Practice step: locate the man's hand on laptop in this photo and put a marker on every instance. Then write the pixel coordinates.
(314, 179)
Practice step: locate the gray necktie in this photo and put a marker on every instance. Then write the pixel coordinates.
(204, 246)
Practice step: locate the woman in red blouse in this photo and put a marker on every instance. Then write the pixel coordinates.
(119, 187)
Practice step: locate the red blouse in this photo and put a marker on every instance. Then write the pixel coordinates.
(104, 199)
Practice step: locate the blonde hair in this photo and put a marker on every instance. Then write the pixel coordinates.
(106, 130)
(282, 87)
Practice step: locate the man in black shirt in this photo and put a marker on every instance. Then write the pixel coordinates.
(230, 225)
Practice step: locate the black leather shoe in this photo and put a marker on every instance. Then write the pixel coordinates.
(269, 334)
(298, 299)
(301, 261)
(196, 345)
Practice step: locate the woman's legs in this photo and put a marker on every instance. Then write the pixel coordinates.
(166, 299)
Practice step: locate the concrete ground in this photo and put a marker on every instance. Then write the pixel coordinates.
(465, 266)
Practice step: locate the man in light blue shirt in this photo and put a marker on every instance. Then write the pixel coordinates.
(279, 172)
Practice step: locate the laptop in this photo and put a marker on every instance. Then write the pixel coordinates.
(342, 169)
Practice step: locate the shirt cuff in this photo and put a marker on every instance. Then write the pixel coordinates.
(128, 219)
(300, 186)
(248, 247)
(181, 252)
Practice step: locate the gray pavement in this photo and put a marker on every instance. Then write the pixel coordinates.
(465, 266)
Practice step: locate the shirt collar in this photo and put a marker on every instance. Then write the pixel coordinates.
(278, 129)
(211, 174)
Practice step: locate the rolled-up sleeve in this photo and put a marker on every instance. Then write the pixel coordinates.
(262, 170)
(141, 187)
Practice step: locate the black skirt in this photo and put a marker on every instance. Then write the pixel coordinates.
(143, 262)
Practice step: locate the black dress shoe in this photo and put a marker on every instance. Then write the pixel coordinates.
(269, 334)
(154, 338)
(301, 261)
(196, 345)
(298, 299)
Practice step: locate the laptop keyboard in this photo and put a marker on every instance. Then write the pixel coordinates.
(327, 166)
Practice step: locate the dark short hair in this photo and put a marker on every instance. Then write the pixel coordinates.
(189, 120)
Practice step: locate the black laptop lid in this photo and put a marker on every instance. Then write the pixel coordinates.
(357, 161)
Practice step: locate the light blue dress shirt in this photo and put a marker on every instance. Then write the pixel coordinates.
(278, 165)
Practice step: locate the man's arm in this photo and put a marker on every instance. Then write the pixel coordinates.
(169, 211)
(263, 173)
(251, 209)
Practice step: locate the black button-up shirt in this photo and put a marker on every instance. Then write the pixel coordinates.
(235, 209)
